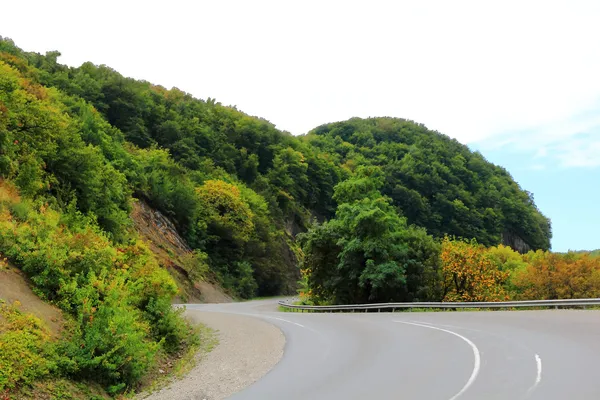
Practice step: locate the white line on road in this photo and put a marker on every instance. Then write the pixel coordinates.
(476, 355)
(538, 361)
(538, 377)
(285, 320)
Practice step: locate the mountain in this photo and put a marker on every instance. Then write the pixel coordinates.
(437, 182)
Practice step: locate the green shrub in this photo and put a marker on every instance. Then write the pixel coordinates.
(119, 297)
(245, 284)
(26, 352)
(112, 345)
(168, 325)
(21, 210)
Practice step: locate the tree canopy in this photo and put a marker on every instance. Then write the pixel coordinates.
(437, 182)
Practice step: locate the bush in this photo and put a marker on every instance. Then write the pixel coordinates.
(26, 352)
(118, 296)
(245, 285)
(469, 274)
(112, 344)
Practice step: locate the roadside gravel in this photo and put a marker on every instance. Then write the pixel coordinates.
(248, 348)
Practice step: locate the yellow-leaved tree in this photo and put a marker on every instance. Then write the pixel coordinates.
(469, 274)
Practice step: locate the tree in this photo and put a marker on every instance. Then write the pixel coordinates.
(366, 251)
(550, 276)
(469, 274)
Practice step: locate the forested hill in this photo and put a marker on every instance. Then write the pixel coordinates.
(437, 182)
(237, 188)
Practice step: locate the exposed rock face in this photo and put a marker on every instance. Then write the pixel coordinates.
(171, 250)
(152, 222)
(515, 242)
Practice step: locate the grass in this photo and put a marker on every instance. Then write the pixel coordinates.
(61, 388)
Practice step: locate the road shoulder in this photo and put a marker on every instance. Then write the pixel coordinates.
(248, 348)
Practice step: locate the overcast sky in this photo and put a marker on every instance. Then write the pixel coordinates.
(516, 79)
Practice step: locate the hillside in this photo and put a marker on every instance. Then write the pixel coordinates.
(118, 197)
(438, 183)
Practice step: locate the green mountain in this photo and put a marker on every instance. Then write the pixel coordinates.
(437, 182)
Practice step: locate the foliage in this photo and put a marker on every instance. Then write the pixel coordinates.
(118, 297)
(44, 153)
(372, 249)
(103, 131)
(551, 276)
(436, 182)
(26, 350)
(469, 274)
(106, 138)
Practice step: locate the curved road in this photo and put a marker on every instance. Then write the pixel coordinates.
(546, 355)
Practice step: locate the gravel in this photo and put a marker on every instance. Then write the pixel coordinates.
(248, 348)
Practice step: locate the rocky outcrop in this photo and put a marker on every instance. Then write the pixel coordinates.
(171, 250)
(153, 224)
(515, 242)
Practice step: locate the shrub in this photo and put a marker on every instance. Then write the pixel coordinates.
(26, 352)
(118, 296)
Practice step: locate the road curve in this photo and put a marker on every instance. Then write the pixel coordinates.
(545, 355)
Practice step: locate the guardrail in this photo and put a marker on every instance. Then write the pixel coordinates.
(393, 306)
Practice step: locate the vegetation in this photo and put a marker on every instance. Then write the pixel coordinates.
(457, 270)
(367, 253)
(366, 207)
(119, 299)
(27, 353)
(436, 182)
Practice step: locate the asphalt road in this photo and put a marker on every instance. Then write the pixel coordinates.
(546, 355)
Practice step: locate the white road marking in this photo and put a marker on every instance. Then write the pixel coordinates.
(538, 378)
(285, 320)
(538, 359)
(279, 319)
(476, 355)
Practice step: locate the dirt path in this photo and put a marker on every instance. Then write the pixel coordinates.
(248, 348)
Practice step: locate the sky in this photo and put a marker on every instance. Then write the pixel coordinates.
(516, 80)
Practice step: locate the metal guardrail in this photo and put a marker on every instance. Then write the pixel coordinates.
(393, 306)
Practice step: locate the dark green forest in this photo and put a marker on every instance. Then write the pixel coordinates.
(370, 199)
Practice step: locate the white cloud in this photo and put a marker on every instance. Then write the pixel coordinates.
(470, 69)
(577, 152)
(570, 143)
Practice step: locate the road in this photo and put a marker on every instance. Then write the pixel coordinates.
(546, 355)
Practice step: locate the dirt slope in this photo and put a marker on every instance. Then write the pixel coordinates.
(15, 287)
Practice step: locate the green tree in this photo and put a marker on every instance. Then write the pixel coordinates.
(367, 251)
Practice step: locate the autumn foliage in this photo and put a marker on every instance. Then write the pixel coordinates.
(472, 272)
(469, 274)
(558, 276)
